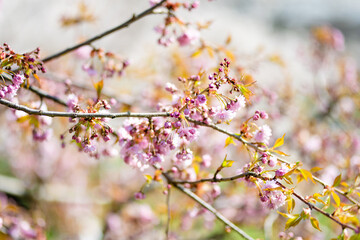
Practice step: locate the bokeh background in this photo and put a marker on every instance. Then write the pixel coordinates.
(77, 197)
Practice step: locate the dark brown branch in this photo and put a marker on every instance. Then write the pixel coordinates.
(133, 19)
(242, 175)
(43, 94)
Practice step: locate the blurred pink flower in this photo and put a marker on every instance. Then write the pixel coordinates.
(188, 37)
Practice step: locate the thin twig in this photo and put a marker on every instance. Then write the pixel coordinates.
(259, 149)
(133, 19)
(207, 206)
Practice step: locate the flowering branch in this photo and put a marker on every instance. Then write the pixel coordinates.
(251, 174)
(257, 148)
(133, 19)
(32, 111)
(312, 206)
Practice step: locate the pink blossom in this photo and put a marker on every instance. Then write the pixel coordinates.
(171, 88)
(88, 148)
(188, 37)
(272, 198)
(83, 52)
(237, 104)
(338, 40)
(222, 115)
(72, 101)
(263, 134)
(206, 160)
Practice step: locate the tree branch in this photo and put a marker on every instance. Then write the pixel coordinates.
(248, 174)
(43, 94)
(207, 206)
(32, 111)
(227, 179)
(133, 19)
(257, 148)
(312, 206)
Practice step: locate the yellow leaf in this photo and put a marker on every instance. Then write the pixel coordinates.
(148, 178)
(280, 153)
(210, 51)
(279, 142)
(37, 77)
(99, 86)
(228, 40)
(291, 205)
(277, 59)
(228, 141)
(336, 198)
(306, 174)
(23, 118)
(292, 222)
(315, 169)
(197, 52)
(315, 223)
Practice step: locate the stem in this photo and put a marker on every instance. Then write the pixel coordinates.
(133, 19)
(257, 148)
(208, 207)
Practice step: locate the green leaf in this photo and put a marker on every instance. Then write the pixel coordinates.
(337, 181)
(315, 223)
(279, 142)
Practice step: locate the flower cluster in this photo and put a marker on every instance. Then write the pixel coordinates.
(9, 91)
(195, 102)
(87, 131)
(27, 63)
(174, 29)
(15, 223)
(144, 143)
(271, 196)
(104, 64)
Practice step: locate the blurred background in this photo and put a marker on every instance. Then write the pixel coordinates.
(73, 196)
